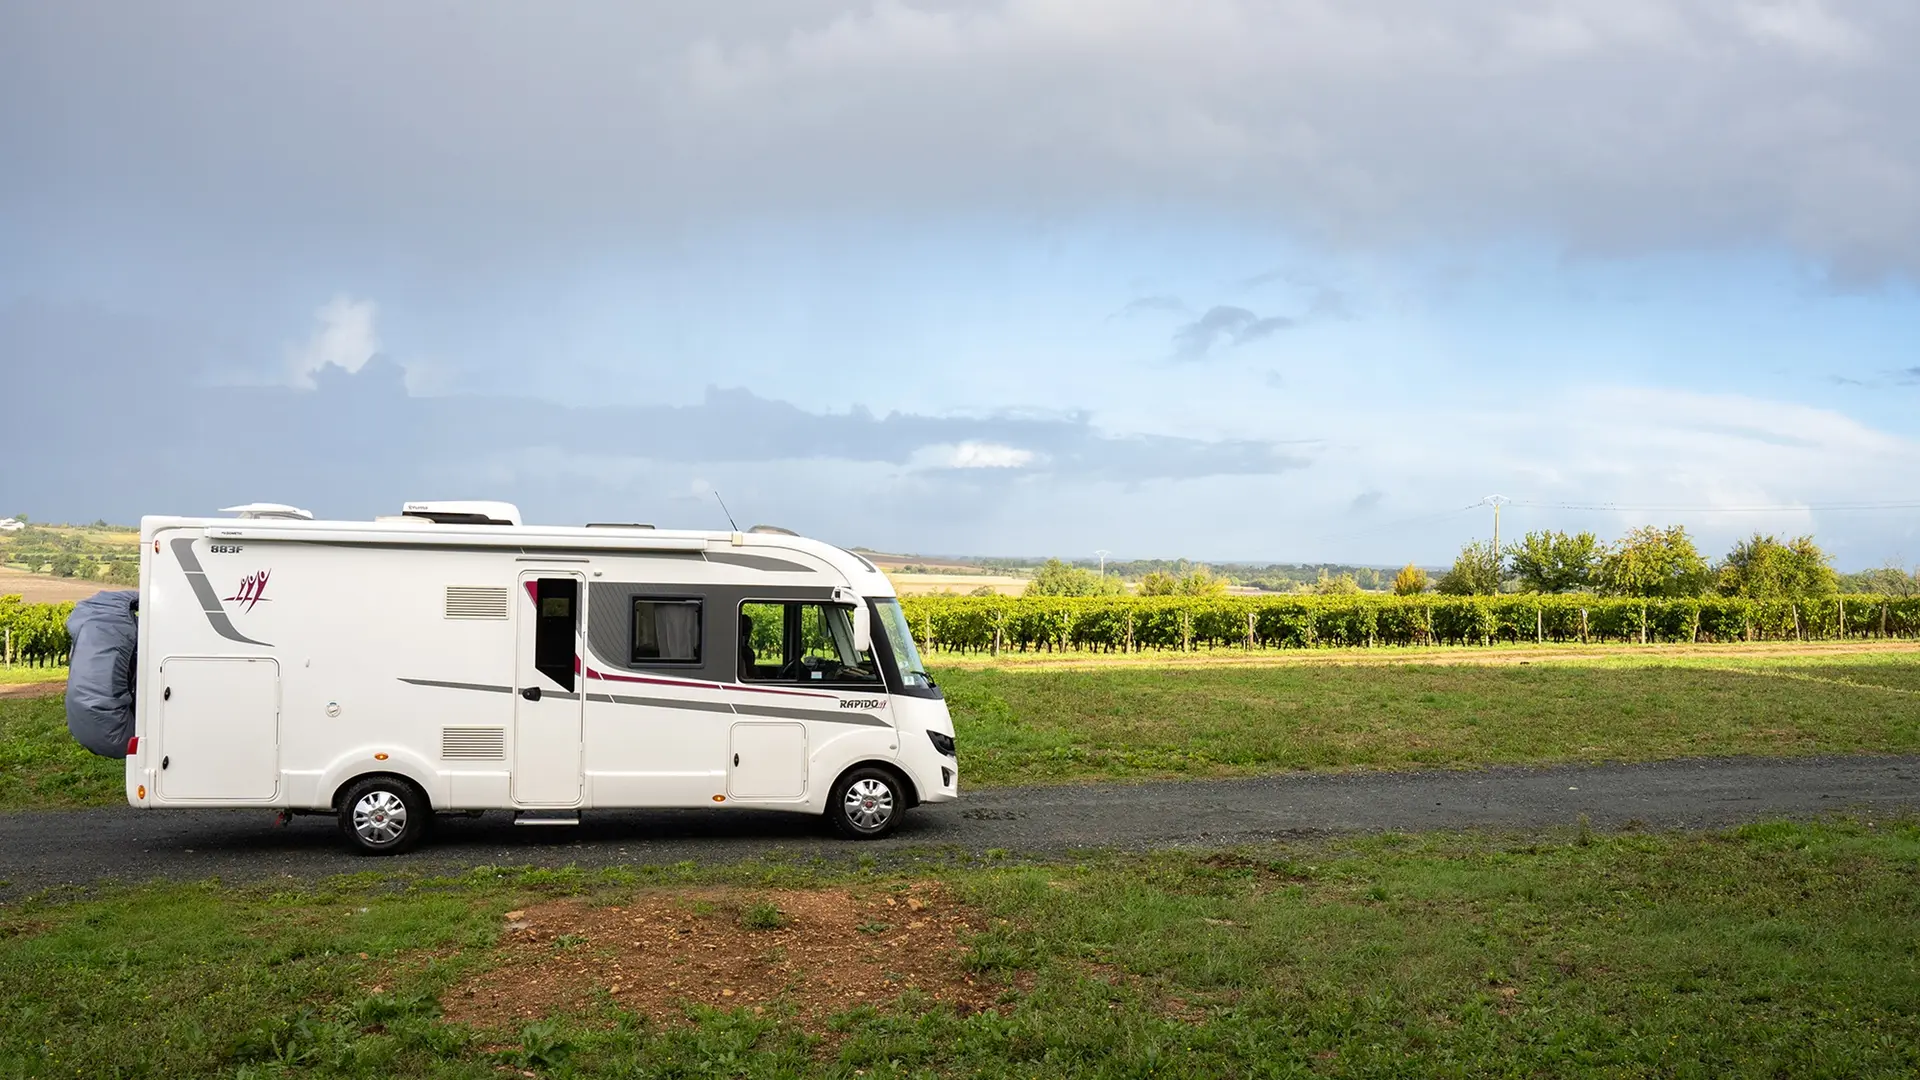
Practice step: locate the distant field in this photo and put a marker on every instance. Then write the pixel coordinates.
(47, 589)
(924, 584)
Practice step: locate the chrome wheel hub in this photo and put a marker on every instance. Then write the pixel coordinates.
(379, 817)
(869, 804)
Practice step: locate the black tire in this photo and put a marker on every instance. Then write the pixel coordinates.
(384, 815)
(866, 803)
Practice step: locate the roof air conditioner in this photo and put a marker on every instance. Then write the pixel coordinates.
(464, 512)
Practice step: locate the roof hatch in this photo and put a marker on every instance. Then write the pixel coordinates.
(254, 511)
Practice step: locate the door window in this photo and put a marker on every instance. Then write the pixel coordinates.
(798, 642)
(556, 614)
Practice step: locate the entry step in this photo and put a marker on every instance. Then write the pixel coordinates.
(546, 817)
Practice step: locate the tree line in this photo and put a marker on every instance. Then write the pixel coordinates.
(1652, 562)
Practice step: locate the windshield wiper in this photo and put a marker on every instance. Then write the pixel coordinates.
(922, 674)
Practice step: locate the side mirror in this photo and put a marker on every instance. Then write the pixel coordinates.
(862, 619)
(862, 629)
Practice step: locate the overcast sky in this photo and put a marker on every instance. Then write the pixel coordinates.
(1293, 280)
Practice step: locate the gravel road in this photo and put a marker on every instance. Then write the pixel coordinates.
(39, 850)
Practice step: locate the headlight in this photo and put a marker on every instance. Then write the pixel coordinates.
(942, 743)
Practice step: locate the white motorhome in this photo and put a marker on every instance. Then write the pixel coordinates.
(453, 659)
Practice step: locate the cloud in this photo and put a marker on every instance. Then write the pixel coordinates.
(355, 442)
(345, 339)
(1233, 325)
(1146, 304)
(1643, 125)
(1365, 502)
(971, 455)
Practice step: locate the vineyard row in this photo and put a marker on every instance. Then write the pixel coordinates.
(1129, 624)
(38, 632)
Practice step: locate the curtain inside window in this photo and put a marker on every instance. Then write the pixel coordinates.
(677, 629)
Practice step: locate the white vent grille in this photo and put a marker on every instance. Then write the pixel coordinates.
(473, 743)
(477, 602)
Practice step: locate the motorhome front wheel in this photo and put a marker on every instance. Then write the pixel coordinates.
(866, 804)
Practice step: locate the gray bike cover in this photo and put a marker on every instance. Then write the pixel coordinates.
(100, 679)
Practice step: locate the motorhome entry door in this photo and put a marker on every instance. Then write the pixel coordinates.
(548, 688)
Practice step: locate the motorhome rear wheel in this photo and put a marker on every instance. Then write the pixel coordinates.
(384, 815)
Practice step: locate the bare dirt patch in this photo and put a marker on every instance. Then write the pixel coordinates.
(32, 690)
(815, 952)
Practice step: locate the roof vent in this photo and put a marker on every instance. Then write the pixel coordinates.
(464, 512)
(282, 511)
(773, 529)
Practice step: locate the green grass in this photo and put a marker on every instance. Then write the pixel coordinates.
(41, 767)
(1098, 722)
(1774, 950)
(21, 674)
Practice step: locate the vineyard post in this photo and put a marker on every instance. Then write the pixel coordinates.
(1796, 621)
(996, 639)
(1843, 618)
(1129, 630)
(1250, 618)
(1539, 625)
(1883, 620)
(1583, 624)
(1643, 622)
(10, 644)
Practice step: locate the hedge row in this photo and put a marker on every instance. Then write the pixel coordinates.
(1132, 623)
(38, 631)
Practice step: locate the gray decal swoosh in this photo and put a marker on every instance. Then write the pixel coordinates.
(444, 685)
(759, 562)
(203, 591)
(663, 703)
(850, 716)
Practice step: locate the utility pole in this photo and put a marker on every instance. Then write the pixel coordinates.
(1103, 553)
(1496, 501)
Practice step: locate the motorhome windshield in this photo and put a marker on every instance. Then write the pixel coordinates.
(893, 622)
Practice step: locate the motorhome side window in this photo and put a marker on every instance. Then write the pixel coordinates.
(801, 643)
(666, 631)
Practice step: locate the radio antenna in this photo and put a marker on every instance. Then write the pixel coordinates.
(724, 510)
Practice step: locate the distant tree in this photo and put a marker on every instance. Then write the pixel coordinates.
(985, 590)
(1343, 585)
(1475, 572)
(123, 572)
(1764, 568)
(65, 565)
(1410, 581)
(1159, 583)
(1198, 581)
(1055, 578)
(1888, 580)
(1201, 581)
(1553, 562)
(1652, 561)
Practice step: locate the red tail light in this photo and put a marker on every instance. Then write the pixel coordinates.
(133, 746)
